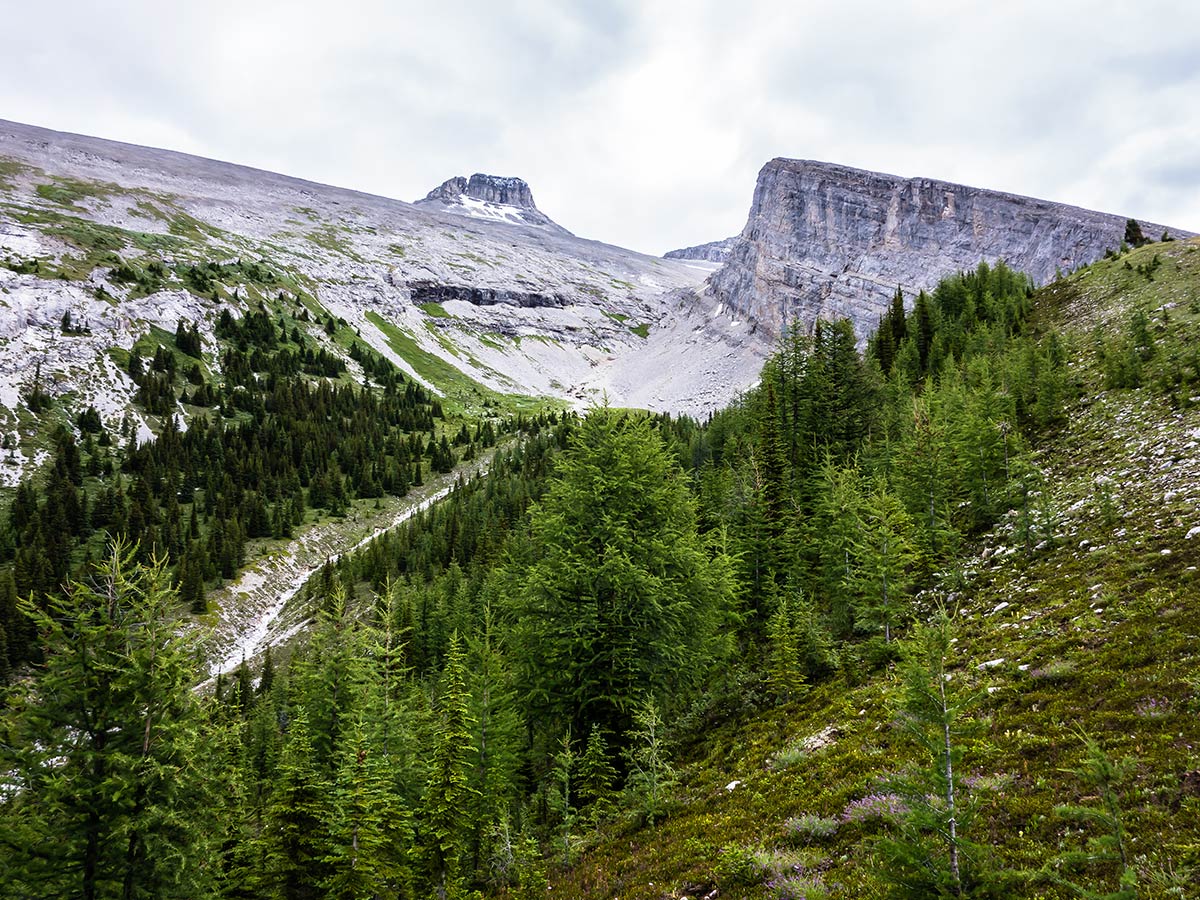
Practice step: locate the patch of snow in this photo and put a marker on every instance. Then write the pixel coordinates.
(497, 212)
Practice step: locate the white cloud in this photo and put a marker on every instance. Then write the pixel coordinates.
(641, 123)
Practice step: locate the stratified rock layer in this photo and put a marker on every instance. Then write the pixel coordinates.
(494, 197)
(828, 241)
(713, 251)
(517, 307)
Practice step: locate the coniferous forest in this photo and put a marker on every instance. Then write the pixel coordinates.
(516, 671)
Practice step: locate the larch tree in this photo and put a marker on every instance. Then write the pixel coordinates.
(443, 817)
(930, 853)
(885, 553)
(102, 786)
(294, 838)
(618, 597)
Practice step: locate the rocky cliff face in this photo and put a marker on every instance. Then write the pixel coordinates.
(829, 241)
(490, 197)
(713, 251)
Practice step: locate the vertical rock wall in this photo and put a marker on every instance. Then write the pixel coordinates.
(829, 241)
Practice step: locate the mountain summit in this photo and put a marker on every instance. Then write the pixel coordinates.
(825, 241)
(494, 197)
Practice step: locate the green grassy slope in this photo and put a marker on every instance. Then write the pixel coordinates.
(1094, 630)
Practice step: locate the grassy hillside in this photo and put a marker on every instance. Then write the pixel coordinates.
(1092, 631)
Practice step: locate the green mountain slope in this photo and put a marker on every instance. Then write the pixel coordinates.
(1091, 630)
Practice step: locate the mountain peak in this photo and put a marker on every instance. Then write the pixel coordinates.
(829, 241)
(496, 197)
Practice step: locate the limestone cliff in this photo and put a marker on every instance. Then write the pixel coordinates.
(828, 241)
(501, 199)
(713, 251)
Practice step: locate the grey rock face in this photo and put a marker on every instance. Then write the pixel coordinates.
(450, 189)
(530, 310)
(488, 188)
(828, 241)
(713, 251)
(494, 189)
(490, 197)
(435, 292)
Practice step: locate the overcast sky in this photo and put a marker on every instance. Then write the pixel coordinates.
(639, 123)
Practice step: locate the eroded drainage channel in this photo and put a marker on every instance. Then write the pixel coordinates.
(254, 606)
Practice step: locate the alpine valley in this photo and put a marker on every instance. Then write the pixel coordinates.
(352, 547)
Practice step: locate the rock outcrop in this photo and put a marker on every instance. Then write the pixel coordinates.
(828, 241)
(713, 251)
(490, 197)
(434, 292)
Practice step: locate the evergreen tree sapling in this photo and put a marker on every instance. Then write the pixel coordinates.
(1104, 778)
(652, 777)
(929, 853)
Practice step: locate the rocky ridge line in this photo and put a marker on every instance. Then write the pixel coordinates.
(713, 251)
(825, 241)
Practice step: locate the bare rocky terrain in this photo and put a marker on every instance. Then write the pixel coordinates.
(520, 307)
(475, 277)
